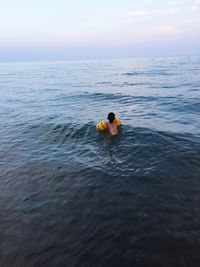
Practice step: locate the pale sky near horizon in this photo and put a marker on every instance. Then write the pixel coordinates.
(64, 29)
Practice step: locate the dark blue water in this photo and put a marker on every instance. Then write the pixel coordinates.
(70, 196)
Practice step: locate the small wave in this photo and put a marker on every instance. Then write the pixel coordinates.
(148, 73)
(136, 151)
(127, 84)
(104, 83)
(62, 133)
(133, 73)
(181, 105)
(113, 97)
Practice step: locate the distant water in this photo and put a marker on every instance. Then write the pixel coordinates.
(70, 196)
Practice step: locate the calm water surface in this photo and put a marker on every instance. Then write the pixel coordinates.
(70, 196)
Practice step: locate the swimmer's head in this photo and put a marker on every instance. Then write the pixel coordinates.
(111, 117)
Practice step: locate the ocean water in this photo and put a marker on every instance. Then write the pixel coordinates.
(70, 196)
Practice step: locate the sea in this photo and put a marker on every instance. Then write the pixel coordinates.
(73, 197)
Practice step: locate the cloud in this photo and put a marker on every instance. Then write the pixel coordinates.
(195, 5)
(182, 3)
(147, 15)
(148, 1)
(166, 29)
(177, 2)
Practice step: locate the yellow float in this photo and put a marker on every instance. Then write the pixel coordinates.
(102, 126)
(117, 122)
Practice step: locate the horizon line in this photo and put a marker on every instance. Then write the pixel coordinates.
(96, 59)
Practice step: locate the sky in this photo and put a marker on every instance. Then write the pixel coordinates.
(91, 29)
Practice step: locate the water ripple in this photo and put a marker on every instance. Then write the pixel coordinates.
(70, 196)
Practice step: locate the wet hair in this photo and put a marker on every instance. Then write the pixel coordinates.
(111, 117)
